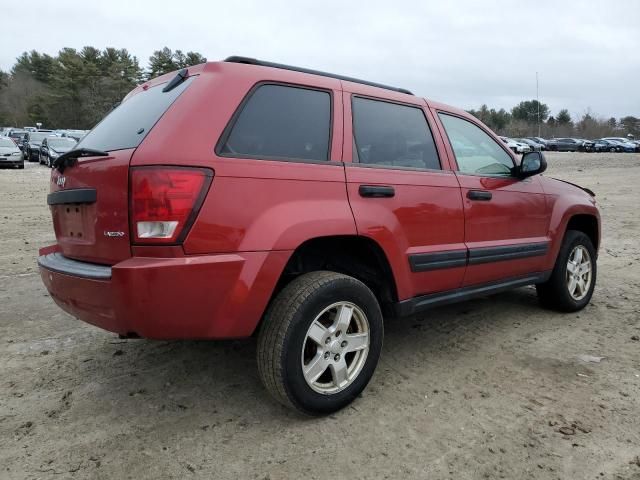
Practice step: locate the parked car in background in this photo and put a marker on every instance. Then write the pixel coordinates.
(608, 145)
(31, 144)
(17, 135)
(626, 146)
(52, 147)
(538, 147)
(626, 143)
(10, 154)
(540, 140)
(515, 146)
(585, 145)
(30, 129)
(564, 145)
(601, 146)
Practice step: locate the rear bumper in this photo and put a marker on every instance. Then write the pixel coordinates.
(209, 296)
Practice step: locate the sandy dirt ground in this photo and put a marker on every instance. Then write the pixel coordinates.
(492, 388)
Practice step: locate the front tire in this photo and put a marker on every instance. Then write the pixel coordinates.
(320, 342)
(573, 278)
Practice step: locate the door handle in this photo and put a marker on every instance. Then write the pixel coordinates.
(376, 191)
(479, 195)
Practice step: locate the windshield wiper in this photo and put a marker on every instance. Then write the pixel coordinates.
(71, 157)
(180, 77)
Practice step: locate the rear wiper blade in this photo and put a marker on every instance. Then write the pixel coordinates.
(180, 77)
(71, 157)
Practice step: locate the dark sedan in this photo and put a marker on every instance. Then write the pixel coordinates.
(570, 145)
(31, 145)
(609, 145)
(53, 147)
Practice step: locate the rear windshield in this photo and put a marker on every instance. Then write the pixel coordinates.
(61, 142)
(128, 124)
(37, 137)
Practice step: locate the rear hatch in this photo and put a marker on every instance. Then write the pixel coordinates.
(91, 219)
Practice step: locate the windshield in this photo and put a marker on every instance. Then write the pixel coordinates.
(128, 124)
(61, 142)
(5, 142)
(17, 133)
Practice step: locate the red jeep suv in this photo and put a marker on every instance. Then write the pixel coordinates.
(245, 197)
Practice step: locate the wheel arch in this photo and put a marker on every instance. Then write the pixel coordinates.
(354, 255)
(587, 224)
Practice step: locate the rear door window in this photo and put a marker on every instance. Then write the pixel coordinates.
(392, 135)
(281, 122)
(130, 122)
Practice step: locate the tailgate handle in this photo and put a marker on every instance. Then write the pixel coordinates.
(376, 191)
(479, 195)
(77, 195)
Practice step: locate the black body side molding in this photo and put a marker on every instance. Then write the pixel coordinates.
(509, 252)
(422, 262)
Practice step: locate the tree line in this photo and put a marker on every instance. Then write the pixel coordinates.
(76, 88)
(530, 117)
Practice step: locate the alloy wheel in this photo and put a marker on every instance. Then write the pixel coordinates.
(335, 348)
(579, 272)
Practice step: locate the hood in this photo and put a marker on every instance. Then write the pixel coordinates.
(4, 150)
(589, 191)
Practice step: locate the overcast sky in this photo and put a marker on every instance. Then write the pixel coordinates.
(461, 52)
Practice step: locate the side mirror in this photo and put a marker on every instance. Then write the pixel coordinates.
(532, 163)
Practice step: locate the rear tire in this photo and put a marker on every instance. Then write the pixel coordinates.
(573, 278)
(320, 342)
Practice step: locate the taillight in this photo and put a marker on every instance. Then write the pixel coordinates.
(164, 202)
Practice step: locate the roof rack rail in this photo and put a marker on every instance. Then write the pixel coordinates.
(253, 61)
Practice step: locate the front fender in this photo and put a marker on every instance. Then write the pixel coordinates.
(564, 206)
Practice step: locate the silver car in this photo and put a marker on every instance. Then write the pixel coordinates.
(10, 154)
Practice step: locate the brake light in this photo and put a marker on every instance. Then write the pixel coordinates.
(164, 202)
